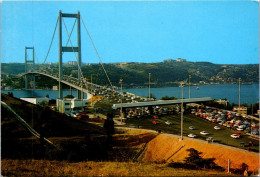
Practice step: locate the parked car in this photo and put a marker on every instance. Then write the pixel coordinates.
(240, 129)
(168, 122)
(191, 128)
(204, 133)
(235, 136)
(155, 117)
(191, 135)
(239, 134)
(210, 139)
(216, 127)
(155, 122)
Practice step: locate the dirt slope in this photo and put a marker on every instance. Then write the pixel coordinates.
(164, 146)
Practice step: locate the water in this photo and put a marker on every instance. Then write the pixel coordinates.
(248, 93)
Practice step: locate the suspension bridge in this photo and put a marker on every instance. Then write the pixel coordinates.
(80, 83)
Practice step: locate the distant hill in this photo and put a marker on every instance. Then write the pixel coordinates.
(167, 73)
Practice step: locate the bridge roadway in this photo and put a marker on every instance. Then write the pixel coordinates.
(70, 81)
(162, 102)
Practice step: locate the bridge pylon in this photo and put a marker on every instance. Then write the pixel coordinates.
(29, 63)
(69, 49)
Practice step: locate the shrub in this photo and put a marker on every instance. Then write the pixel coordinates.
(195, 161)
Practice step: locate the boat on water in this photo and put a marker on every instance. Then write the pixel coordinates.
(197, 88)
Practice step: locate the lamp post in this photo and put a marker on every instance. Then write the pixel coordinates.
(149, 87)
(121, 110)
(189, 85)
(239, 80)
(82, 95)
(91, 90)
(181, 85)
(251, 120)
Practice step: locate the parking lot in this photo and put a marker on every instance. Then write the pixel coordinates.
(171, 124)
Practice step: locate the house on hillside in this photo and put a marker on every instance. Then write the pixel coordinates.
(36, 100)
(71, 104)
(180, 60)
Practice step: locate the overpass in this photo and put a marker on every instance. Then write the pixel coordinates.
(161, 102)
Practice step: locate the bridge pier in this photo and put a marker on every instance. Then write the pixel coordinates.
(150, 108)
(123, 112)
(28, 63)
(74, 49)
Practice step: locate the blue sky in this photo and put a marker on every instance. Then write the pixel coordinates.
(223, 32)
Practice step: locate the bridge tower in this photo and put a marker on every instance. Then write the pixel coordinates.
(29, 66)
(69, 49)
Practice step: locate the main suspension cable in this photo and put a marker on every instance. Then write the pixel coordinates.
(36, 57)
(51, 39)
(96, 51)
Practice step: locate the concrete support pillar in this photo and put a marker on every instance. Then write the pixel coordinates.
(60, 56)
(31, 63)
(79, 54)
(124, 112)
(150, 108)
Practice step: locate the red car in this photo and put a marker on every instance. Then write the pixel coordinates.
(155, 117)
(239, 134)
(154, 122)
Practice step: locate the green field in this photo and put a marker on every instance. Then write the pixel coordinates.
(222, 136)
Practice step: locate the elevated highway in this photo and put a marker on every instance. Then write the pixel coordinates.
(162, 102)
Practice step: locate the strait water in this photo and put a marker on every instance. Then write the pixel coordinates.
(248, 93)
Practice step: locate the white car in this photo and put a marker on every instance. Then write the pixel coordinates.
(220, 123)
(204, 133)
(192, 128)
(210, 139)
(216, 127)
(240, 129)
(241, 126)
(191, 135)
(234, 136)
(168, 122)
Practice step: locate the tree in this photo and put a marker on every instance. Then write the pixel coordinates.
(10, 94)
(168, 98)
(44, 103)
(152, 96)
(194, 158)
(69, 96)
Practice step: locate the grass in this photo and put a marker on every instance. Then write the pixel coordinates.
(91, 168)
(222, 136)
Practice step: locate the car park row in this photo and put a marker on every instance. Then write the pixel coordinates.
(228, 119)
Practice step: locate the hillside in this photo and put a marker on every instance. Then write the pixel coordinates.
(67, 134)
(166, 73)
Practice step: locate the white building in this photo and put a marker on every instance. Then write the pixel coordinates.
(241, 110)
(224, 102)
(68, 105)
(36, 100)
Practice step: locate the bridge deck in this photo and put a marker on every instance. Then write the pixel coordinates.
(161, 102)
